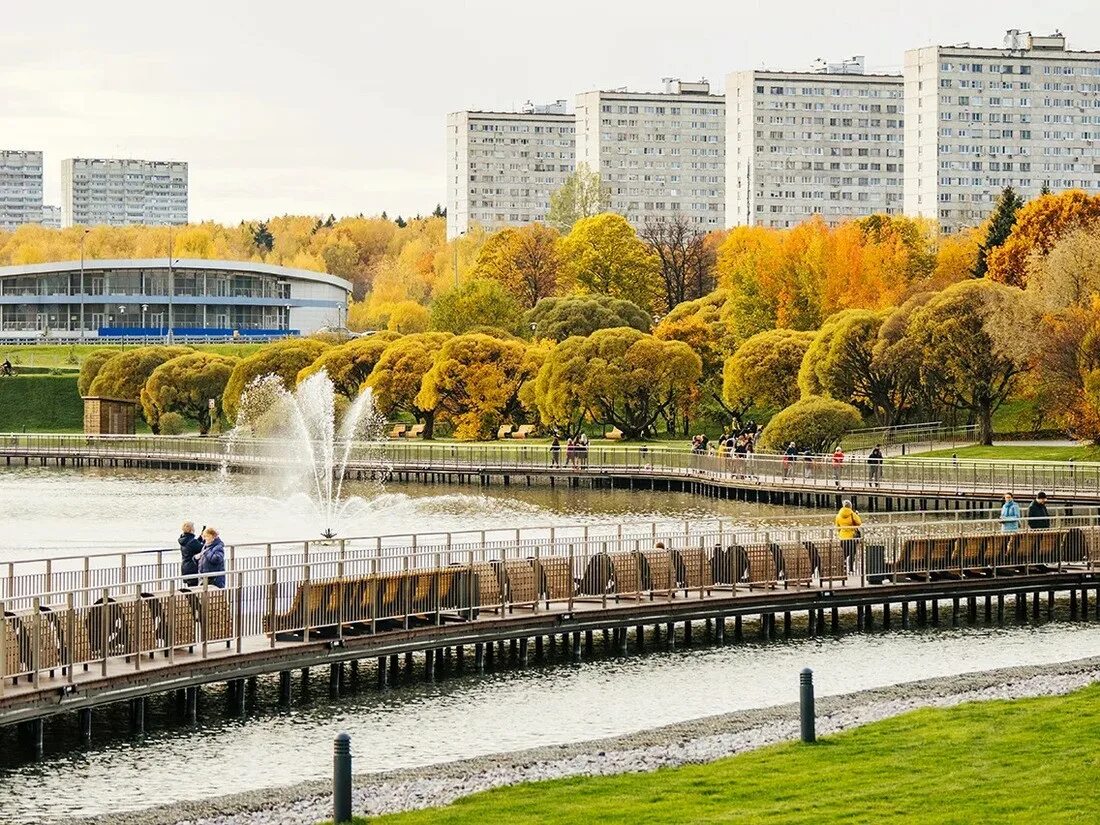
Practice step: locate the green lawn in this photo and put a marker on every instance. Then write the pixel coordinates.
(71, 355)
(40, 403)
(1010, 451)
(1033, 760)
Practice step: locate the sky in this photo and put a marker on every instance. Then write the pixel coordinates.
(340, 107)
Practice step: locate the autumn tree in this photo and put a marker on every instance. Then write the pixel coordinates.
(123, 375)
(975, 340)
(480, 302)
(998, 228)
(582, 195)
(262, 238)
(686, 260)
(524, 260)
(602, 255)
(408, 317)
(348, 365)
(763, 371)
(560, 318)
(186, 385)
(284, 359)
(91, 366)
(813, 423)
(1039, 225)
(474, 384)
(1068, 275)
(399, 373)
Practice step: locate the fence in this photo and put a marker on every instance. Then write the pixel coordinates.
(930, 433)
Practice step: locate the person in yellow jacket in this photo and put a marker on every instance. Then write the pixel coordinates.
(847, 523)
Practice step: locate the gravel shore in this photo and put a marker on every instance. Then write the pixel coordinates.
(700, 740)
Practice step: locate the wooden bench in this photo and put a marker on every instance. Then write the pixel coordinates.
(614, 434)
(596, 580)
(828, 559)
(555, 578)
(971, 554)
(398, 430)
(693, 568)
(763, 565)
(658, 570)
(626, 574)
(417, 431)
(10, 638)
(798, 568)
(522, 584)
(524, 431)
(504, 430)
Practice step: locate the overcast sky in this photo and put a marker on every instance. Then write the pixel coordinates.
(340, 106)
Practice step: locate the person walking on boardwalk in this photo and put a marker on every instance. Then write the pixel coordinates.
(838, 463)
(211, 560)
(1010, 515)
(555, 452)
(190, 547)
(788, 459)
(847, 527)
(1038, 516)
(874, 466)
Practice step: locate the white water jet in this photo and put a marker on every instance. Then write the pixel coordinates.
(311, 440)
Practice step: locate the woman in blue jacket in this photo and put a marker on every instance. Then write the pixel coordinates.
(212, 558)
(1010, 515)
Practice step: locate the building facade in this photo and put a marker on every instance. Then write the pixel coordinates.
(502, 166)
(130, 298)
(96, 191)
(20, 188)
(828, 143)
(51, 216)
(659, 155)
(979, 119)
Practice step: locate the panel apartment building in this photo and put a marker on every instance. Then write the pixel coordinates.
(827, 142)
(20, 188)
(502, 166)
(97, 191)
(979, 119)
(660, 155)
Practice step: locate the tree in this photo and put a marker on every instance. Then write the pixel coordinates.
(525, 260)
(397, 377)
(91, 366)
(262, 238)
(284, 359)
(479, 302)
(1063, 383)
(763, 371)
(1039, 225)
(999, 228)
(975, 339)
(620, 377)
(581, 196)
(474, 383)
(1069, 275)
(560, 318)
(439, 211)
(686, 260)
(408, 317)
(123, 375)
(348, 365)
(813, 423)
(602, 255)
(186, 385)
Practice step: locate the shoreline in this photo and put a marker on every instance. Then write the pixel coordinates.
(700, 740)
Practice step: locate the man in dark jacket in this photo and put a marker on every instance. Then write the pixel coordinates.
(1038, 517)
(190, 546)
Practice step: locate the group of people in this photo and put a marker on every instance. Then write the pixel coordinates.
(576, 451)
(203, 556)
(1037, 518)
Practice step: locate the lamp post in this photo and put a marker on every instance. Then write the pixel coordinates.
(144, 309)
(171, 286)
(83, 235)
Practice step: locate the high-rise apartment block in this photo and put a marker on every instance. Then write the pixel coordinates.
(828, 142)
(20, 188)
(979, 119)
(660, 155)
(120, 192)
(502, 166)
(51, 216)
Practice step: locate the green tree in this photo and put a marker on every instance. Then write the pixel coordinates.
(123, 375)
(262, 238)
(91, 366)
(348, 365)
(975, 340)
(479, 302)
(186, 385)
(560, 318)
(602, 255)
(284, 359)
(1000, 225)
(581, 196)
(397, 376)
(813, 423)
(763, 371)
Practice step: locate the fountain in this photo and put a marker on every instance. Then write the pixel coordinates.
(310, 438)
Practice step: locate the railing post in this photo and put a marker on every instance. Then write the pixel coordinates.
(36, 641)
(807, 716)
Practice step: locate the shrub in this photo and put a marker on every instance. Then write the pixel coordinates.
(172, 423)
(814, 423)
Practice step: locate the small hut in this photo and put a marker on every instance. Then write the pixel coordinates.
(108, 416)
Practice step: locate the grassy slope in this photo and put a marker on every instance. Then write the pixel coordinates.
(1031, 760)
(71, 355)
(40, 403)
(1009, 451)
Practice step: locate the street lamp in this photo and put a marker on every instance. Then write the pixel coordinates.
(144, 309)
(171, 284)
(83, 235)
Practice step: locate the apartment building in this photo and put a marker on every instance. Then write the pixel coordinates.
(116, 192)
(660, 155)
(51, 216)
(20, 188)
(502, 166)
(1025, 115)
(827, 142)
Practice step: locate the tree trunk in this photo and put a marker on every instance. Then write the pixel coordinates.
(429, 426)
(985, 425)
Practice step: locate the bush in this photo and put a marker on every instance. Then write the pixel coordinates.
(172, 423)
(814, 423)
(93, 363)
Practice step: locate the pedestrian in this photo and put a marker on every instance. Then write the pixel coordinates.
(582, 449)
(212, 558)
(838, 463)
(874, 466)
(555, 452)
(190, 547)
(1038, 516)
(1010, 515)
(807, 464)
(571, 452)
(789, 456)
(847, 527)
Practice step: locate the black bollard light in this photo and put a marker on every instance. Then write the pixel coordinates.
(341, 779)
(806, 704)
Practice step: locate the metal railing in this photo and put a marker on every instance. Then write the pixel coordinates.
(930, 433)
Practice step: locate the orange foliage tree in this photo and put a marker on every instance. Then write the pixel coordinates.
(1039, 226)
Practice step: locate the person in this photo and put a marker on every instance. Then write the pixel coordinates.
(788, 457)
(1010, 515)
(838, 463)
(555, 452)
(847, 527)
(582, 449)
(1038, 516)
(874, 466)
(190, 547)
(807, 464)
(7, 369)
(211, 559)
(571, 452)
(740, 452)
